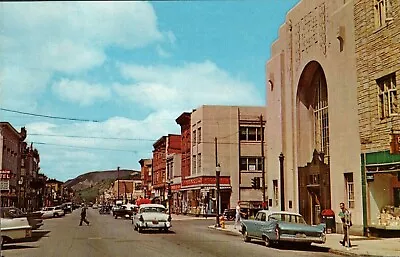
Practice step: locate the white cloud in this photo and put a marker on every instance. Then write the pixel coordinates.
(171, 37)
(41, 38)
(185, 87)
(161, 52)
(69, 36)
(66, 162)
(18, 86)
(80, 92)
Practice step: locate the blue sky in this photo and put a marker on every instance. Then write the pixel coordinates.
(133, 66)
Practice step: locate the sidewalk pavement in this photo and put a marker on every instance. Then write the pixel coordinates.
(187, 217)
(361, 246)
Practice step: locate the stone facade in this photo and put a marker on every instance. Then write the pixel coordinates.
(377, 37)
(312, 108)
(378, 55)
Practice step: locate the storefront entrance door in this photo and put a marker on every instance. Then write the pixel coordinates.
(396, 196)
(314, 189)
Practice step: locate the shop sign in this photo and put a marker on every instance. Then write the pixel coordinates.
(5, 174)
(395, 144)
(370, 177)
(4, 185)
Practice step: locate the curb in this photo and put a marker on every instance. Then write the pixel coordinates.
(225, 230)
(347, 253)
(331, 250)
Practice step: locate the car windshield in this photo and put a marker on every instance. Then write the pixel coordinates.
(290, 218)
(153, 209)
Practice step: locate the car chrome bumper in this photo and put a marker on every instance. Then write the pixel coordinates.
(150, 224)
(290, 238)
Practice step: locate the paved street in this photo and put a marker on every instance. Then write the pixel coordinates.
(107, 236)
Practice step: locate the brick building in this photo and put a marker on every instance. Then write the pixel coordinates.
(146, 172)
(377, 36)
(10, 163)
(162, 148)
(30, 186)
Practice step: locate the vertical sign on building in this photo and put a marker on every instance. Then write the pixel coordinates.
(395, 144)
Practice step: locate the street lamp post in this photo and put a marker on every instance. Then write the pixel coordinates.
(282, 179)
(218, 173)
(169, 198)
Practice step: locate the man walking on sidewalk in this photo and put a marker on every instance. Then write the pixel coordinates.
(83, 216)
(345, 216)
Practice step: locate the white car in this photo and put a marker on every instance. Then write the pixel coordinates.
(151, 216)
(52, 212)
(14, 228)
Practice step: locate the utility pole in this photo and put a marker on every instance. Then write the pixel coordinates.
(217, 174)
(262, 161)
(118, 183)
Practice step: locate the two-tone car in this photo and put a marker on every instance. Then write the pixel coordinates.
(151, 216)
(281, 226)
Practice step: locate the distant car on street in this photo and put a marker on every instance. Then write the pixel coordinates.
(53, 212)
(151, 216)
(230, 214)
(281, 226)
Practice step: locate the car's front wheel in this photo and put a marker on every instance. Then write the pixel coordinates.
(266, 240)
(139, 229)
(245, 234)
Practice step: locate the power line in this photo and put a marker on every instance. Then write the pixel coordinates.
(46, 116)
(92, 137)
(83, 147)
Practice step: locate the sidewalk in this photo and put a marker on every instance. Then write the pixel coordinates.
(187, 217)
(362, 246)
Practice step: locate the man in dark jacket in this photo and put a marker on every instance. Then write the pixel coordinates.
(83, 216)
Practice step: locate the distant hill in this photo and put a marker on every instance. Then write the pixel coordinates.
(92, 178)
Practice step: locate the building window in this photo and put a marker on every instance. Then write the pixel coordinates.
(388, 101)
(194, 138)
(383, 12)
(194, 165)
(250, 163)
(199, 135)
(250, 134)
(321, 117)
(199, 163)
(276, 192)
(349, 189)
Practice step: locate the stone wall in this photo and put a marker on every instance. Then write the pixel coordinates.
(377, 55)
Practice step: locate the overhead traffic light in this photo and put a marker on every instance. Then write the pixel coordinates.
(255, 183)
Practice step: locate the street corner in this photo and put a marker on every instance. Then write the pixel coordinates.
(227, 230)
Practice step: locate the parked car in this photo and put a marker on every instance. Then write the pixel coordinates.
(126, 210)
(14, 228)
(34, 218)
(53, 212)
(230, 214)
(280, 226)
(151, 216)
